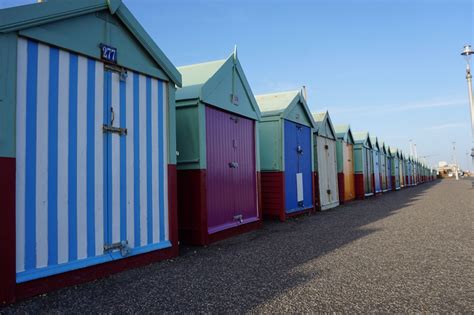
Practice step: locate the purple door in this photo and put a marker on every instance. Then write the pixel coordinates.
(231, 175)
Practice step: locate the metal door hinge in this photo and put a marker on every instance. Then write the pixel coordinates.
(118, 130)
(239, 217)
(122, 246)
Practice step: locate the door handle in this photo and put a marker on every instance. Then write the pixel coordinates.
(112, 116)
(233, 164)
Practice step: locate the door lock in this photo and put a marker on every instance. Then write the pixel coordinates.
(234, 165)
(239, 217)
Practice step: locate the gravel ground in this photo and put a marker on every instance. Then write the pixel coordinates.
(410, 251)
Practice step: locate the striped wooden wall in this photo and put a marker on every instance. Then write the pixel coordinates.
(79, 188)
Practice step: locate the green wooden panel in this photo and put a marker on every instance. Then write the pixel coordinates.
(219, 89)
(189, 134)
(271, 145)
(84, 34)
(358, 159)
(299, 115)
(340, 155)
(8, 62)
(171, 124)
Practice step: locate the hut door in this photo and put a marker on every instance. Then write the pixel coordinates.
(348, 156)
(368, 169)
(231, 171)
(389, 174)
(323, 170)
(298, 181)
(376, 171)
(84, 184)
(333, 194)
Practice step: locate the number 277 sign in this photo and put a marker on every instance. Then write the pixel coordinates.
(108, 53)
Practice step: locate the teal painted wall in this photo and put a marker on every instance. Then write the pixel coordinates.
(271, 145)
(299, 115)
(339, 155)
(191, 136)
(8, 62)
(219, 89)
(171, 124)
(359, 159)
(83, 34)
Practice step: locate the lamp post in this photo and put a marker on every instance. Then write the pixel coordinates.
(466, 53)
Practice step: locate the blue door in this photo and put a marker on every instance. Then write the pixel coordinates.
(298, 177)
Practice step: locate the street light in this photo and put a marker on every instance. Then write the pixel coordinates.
(466, 53)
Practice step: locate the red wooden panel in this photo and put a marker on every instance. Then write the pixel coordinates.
(273, 194)
(7, 230)
(317, 200)
(359, 186)
(341, 186)
(192, 213)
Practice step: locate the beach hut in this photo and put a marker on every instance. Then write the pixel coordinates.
(383, 166)
(363, 165)
(388, 167)
(395, 174)
(377, 182)
(87, 146)
(217, 143)
(286, 155)
(325, 161)
(409, 168)
(403, 170)
(345, 163)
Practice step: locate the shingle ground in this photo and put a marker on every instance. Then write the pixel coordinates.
(409, 251)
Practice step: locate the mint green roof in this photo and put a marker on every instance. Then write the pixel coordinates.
(344, 133)
(324, 126)
(282, 104)
(27, 16)
(215, 83)
(194, 77)
(375, 143)
(362, 137)
(395, 152)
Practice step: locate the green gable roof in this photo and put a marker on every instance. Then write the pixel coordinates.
(363, 138)
(37, 14)
(324, 126)
(215, 83)
(287, 105)
(395, 152)
(375, 143)
(344, 133)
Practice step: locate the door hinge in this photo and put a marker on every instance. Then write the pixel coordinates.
(122, 246)
(118, 130)
(239, 218)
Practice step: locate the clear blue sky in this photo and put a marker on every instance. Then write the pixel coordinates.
(391, 67)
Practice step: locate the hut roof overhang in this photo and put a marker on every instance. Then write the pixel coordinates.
(37, 14)
(283, 104)
(324, 126)
(344, 133)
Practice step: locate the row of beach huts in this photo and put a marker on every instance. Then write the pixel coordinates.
(110, 156)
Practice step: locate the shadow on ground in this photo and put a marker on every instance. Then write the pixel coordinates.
(233, 275)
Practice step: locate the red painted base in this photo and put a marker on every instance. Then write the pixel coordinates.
(192, 211)
(7, 230)
(35, 287)
(359, 186)
(341, 186)
(394, 181)
(316, 197)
